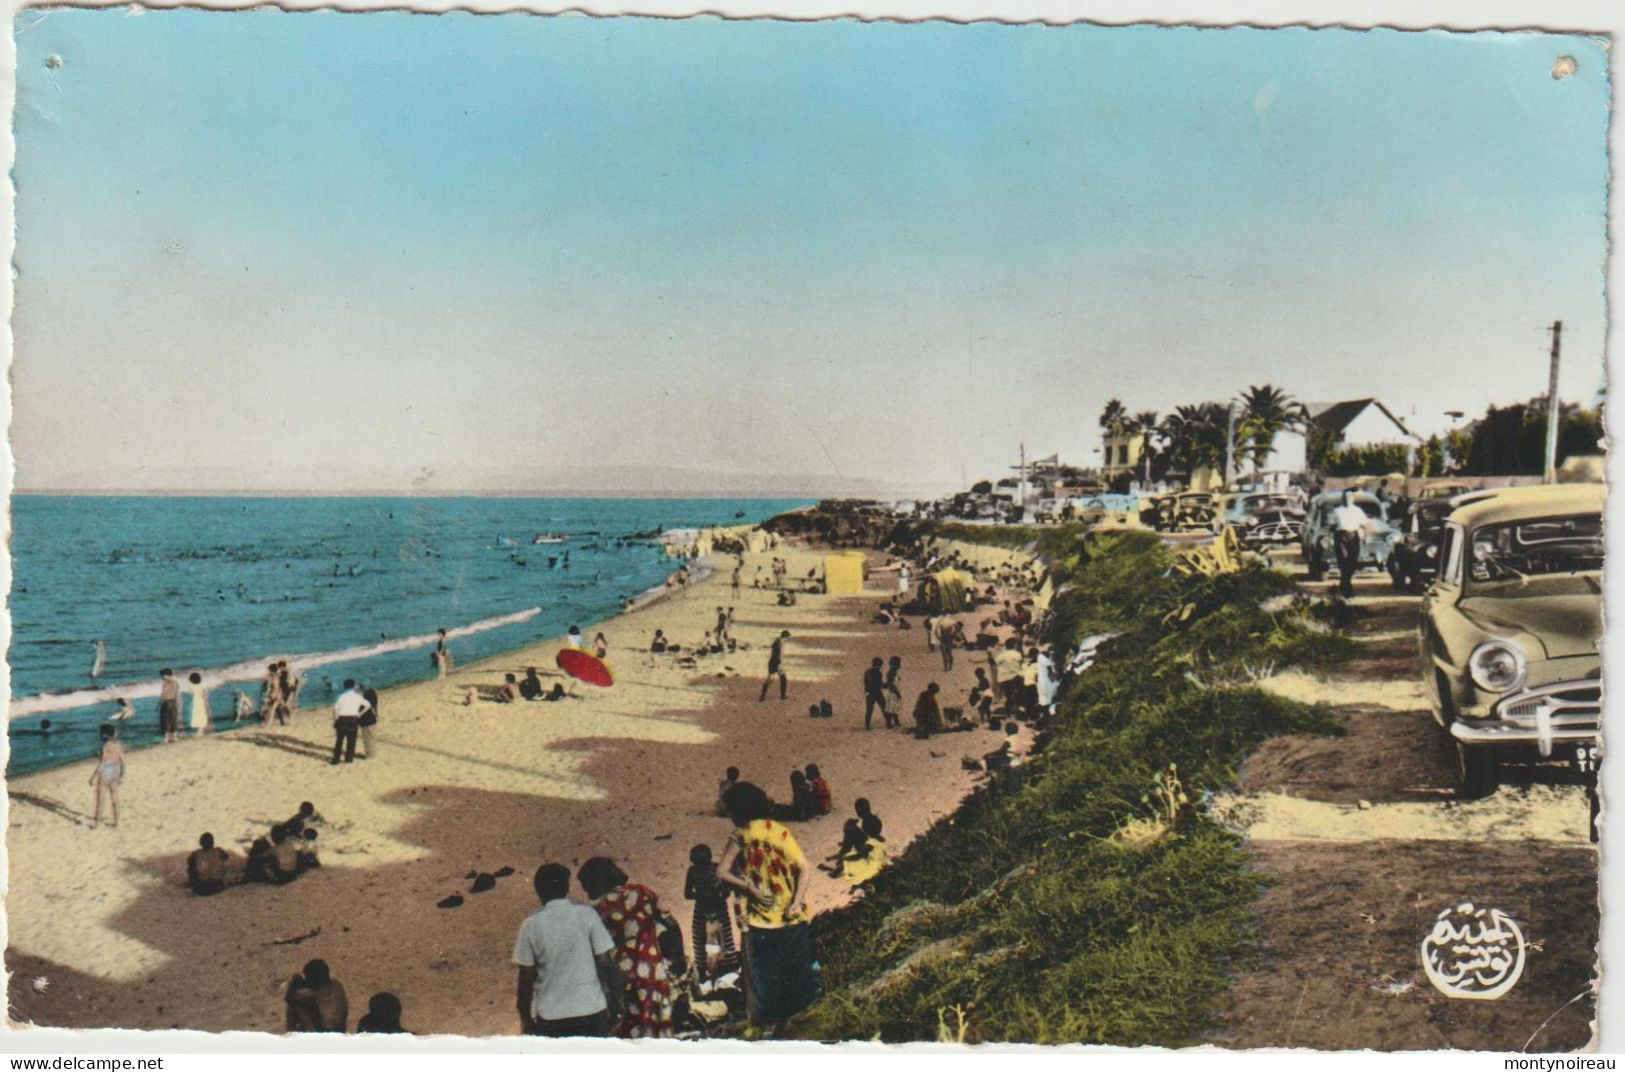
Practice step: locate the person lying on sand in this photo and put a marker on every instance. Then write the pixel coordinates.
(206, 867)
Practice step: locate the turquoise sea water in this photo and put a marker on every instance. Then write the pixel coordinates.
(225, 585)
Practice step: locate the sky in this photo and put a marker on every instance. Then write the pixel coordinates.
(320, 251)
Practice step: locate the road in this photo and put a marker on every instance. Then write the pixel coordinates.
(1365, 842)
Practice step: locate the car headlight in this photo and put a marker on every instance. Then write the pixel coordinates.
(1433, 552)
(1497, 666)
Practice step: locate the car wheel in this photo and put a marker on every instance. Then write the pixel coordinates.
(1478, 770)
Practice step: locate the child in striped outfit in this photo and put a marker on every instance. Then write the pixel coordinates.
(710, 899)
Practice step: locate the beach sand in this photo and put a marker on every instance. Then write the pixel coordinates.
(103, 933)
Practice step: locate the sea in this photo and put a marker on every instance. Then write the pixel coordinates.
(345, 587)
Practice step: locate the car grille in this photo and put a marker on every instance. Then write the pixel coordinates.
(1567, 705)
(1282, 531)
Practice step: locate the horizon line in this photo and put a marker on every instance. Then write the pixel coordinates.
(425, 493)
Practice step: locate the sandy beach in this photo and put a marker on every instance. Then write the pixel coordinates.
(103, 932)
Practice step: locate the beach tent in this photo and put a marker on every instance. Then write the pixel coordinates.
(843, 572)
(946, 592)
(758, 541)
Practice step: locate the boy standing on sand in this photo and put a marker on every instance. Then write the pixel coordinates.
(775, 667)
(569, 983)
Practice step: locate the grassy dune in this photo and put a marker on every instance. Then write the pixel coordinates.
(1085, 897)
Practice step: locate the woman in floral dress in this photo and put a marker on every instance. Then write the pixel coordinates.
(632, 916)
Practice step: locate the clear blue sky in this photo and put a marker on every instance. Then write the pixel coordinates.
(264, 249)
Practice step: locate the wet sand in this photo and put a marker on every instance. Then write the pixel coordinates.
(103, 933)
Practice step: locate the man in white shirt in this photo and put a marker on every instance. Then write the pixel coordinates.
(347, 712)
(1349, 521)
(569, 983)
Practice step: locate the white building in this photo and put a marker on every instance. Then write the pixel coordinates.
(1360, 422)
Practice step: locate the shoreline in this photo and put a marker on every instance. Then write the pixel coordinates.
(629, 771)
(249, 671)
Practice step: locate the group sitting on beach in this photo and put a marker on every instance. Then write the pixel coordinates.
(276, 858)
(316, 1002)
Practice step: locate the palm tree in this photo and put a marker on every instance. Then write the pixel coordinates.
(1146, 423)
(1188, 435)
(1266, 411)
(1113, 417)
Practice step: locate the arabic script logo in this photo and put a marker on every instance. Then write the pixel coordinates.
(1473, 953)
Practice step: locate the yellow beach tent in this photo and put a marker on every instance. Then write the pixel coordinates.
(843, 572)
(946, 592)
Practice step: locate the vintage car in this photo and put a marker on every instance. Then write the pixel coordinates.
(1193, 511)
(1421, 526)
(1263, 518)
(1319, 543)
(1510, 630)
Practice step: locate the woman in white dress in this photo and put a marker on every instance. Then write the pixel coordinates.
(200, 704)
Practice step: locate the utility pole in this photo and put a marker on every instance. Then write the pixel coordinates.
(1552, 415)
(1230, 443)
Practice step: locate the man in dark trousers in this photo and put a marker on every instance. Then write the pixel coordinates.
(874, 692)
(347, 712)
(1349, 521)
(775, 668)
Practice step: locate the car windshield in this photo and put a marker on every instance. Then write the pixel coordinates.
(1430, 519)
(1545, 545)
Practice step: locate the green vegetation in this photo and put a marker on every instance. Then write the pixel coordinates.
(1084, 896)
(1014, 537)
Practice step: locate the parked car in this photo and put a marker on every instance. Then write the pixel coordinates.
(1511, 627)
(1193, 511)
(1266, 517)
(1414, 561)
(1319, 545)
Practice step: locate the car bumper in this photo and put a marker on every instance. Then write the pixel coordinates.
(1546, 716)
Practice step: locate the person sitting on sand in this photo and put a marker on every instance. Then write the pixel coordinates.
(819, 789)
(531, 687)
(787, 598)
(206, 867)
(316, 1001)
(509, 692)
(283, 866)
(1002, 758)
(307, 815)
(108, 773)
(927, 712)
(259, 865)
(573, 637)
(383, 1016)
(866, 817)
(803, 805)
(305, 844)
(658, 645)
(852, 842)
